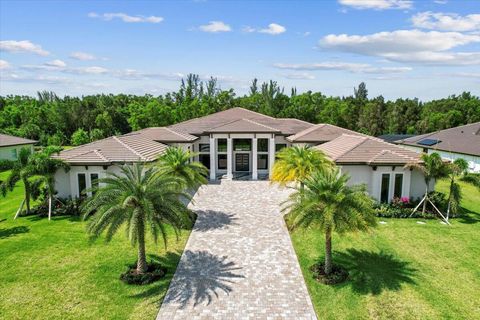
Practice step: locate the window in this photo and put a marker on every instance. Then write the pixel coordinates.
(280, 146)
(205, 160)
(204, 147)
(94, 181)
(82, 184)
(14, 153)
(222, 145)
(385, 187)
(222, 162)
(262, 145)
(262, 161)
(397, 190)
(242, 144)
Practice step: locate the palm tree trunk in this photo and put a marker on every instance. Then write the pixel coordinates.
(49, 207)
(328, 251)
(142, 259)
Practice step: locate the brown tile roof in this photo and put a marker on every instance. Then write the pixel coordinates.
(320, 133)
(355, 149)
(203, 125)
(163, 134)
(127, 148)
(464, 139)
(7, 140)
(242, 125)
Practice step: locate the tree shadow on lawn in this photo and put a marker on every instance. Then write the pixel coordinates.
(210, 220)
(468, 217)
(10, 232)
(372, 272)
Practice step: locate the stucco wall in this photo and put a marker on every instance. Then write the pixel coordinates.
(7, 153)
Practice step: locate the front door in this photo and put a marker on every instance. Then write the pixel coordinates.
(242, 162)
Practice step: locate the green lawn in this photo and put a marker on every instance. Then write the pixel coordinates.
(49, 270)
(402, 270)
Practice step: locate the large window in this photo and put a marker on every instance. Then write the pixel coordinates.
(94, 181)
(397, 190)
(262, 145)
(205, 160)
(222, 162)
(14, 153)
(204, 147)
(82, 183)
(262, 161)
(242, 144)
(385, 187)
(222, 145)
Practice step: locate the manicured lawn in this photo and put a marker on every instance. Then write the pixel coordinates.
(49, 270)
(402, 270)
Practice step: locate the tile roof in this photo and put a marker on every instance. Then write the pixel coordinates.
(242, 125)
(355, 149)
(127, 148)
(463, 139)
(7, 140)
(163, 134)
(320, 133)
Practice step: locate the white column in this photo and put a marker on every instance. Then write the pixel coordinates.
(254, 159)
(213, 164)
(229, 158)
(271, 154)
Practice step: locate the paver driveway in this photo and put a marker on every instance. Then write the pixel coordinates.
(239, 262)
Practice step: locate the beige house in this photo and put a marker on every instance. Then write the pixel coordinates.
(241, 144)
(10, 146)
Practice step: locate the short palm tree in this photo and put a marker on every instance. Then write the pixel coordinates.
(329, 205)
(22, 171)
(297, 164)
(180, 163)
(455, 169)
(141, 199)
(45, 167)
(432, 167)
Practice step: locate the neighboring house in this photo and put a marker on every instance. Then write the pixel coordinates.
(459, 142)
(10, 146)
(394, 137)
(235, 144)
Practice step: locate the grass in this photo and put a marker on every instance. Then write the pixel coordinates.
(49, 270)
(402, 270)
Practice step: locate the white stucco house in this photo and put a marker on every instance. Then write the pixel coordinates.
(241, 144)
(459, 142)
(10, 146)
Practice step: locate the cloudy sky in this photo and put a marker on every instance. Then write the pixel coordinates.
(400, 48)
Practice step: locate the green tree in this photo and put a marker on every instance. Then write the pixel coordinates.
(180, 163)
(142, 199)
(80, 137)
(297, 163)
(456, 169)
(329, 205)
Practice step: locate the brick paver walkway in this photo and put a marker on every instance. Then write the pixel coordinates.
(239, 262)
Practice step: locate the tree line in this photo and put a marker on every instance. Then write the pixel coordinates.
(76, 120)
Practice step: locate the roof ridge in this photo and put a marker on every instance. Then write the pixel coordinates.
(181, 134)
(363, 139)
(100, 154)
(306, 131)
(260, 124)
(129, 148)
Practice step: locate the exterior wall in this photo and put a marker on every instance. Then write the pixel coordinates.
(359, 174)
(417, 186)
(10, 152)
(473, 161)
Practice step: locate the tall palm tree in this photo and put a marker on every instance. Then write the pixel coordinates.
(22, 171)
(432, 167)
(45, 167)
(456, 169)
(297, 164)
(328, 204)
(142, 199)
(180, 163)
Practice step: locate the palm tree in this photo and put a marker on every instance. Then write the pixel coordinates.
(45, 167)
(142, 199)
(22, 171)
(456, 169)
(432, 167)
(327, 203)
(179, 162)
(297, 164)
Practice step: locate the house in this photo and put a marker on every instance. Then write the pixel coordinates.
(235, 144)
(10, 146)
(459, 142)
(394, 137)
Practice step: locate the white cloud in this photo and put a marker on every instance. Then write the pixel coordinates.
(215, 26)
(446, 21)
(407, 46)
(4, 65)
(273, 29)
(377, 4)
(22, 46)
(347, 66)
(440, 1)
(300, 76)
(56, 63)
(126, 18)
(82, 56)
(88, 70)
(248, 29)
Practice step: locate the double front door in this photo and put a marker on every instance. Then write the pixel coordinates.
(242, 162)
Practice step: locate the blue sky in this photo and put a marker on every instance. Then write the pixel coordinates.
(400, 48)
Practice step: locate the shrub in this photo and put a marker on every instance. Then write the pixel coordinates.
(154, 272)
(6, 165)
(60, 207)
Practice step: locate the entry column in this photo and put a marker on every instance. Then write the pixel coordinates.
(271, 155)
(254, 159)
(213, 163)
(229, 158)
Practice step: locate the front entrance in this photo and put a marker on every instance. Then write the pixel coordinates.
(242, 162)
